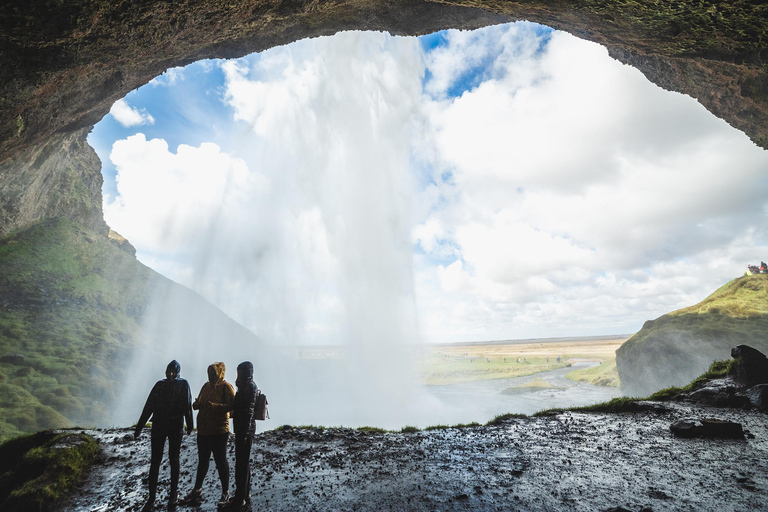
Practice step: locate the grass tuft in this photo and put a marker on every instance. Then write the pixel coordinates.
(501, 418)
(371, 430)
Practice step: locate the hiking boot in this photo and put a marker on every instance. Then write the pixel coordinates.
(173, 500)
(234, 504)
(224, 498)
(195, 497)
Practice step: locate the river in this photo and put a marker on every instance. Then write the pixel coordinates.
(482, 400)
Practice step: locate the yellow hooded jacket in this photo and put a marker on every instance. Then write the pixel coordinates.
(214, 402)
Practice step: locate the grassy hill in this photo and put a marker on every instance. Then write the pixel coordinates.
(678, 346)
(77, 314)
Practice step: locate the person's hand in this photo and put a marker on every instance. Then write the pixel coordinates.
(195, 405)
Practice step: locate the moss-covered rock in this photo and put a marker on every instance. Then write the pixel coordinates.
(38, 469)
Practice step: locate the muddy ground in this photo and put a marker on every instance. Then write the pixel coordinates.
(569, 461)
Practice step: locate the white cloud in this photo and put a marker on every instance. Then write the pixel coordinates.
(128, 116)
(579, 198)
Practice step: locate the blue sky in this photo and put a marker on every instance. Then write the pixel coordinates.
(510, 182)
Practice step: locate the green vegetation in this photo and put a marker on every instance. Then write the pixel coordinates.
(70, 302)
(409, 429)
(38, 469)
(501, 418)
(678, 346)
(372, 430)
(603, 375)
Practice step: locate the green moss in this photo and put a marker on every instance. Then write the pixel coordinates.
(373, 430)
(39, 469)
(459, 425)
(501, 418)
(408, 429)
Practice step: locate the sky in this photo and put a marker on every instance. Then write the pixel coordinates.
(505, 183)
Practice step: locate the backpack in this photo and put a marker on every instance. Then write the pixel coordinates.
(261, 412)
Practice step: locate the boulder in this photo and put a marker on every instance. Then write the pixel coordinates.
(708, 427)
(758, 396)
(750, 367)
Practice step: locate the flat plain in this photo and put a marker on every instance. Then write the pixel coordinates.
(450, 364)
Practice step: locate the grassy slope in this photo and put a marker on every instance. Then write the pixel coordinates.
(73, 305)
(678, 346)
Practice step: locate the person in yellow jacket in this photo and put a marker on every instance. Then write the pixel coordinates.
(214, 402)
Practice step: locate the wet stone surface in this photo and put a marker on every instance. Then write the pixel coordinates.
(570, 461)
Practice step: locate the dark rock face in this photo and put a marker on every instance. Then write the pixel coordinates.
(60, 178)
(65, 63)
(750, 367)
(719, 393)
(758, 396)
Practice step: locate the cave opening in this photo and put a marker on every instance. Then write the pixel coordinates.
(374, 191)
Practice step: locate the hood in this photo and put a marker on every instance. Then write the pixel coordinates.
(173, 367)
(218, 369)
(244, 373)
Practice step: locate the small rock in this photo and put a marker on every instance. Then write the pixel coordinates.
(709, 428)
(758, 396)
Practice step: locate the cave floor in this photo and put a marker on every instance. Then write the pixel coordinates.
(569, 461)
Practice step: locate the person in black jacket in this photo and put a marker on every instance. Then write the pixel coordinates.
(170, 405)
(244, 421)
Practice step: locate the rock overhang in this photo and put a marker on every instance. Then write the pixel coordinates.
(65, 64)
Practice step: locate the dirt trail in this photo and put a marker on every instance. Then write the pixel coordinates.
(571, 461)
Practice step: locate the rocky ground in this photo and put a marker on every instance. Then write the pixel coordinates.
(567, 461)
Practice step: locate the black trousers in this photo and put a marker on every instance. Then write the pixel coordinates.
(159, 436)
(243, 445)
(216, 444)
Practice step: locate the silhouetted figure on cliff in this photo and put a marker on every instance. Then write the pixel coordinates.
(169, 404)
(215, 400)
(244, 421)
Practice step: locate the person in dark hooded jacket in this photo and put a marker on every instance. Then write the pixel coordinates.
(244, 421)
(215, 400)
(169, 405)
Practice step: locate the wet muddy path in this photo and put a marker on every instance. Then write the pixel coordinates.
(570, 461)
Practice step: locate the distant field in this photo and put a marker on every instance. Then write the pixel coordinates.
(450, 364)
